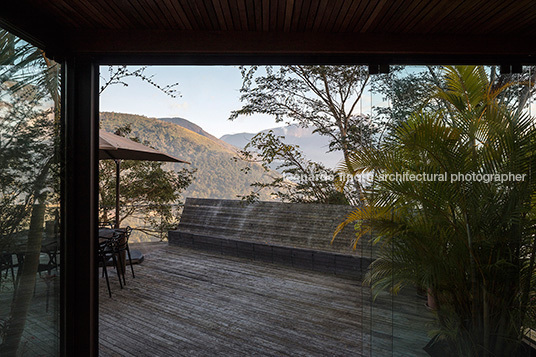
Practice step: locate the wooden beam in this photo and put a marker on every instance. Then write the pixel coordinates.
(153, 42)
(79, 268)
(20, 19)
(162, 45)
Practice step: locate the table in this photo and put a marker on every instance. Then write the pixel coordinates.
(17, 245)
(107, 233)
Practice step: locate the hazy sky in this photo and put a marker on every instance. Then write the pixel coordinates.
(208, 95)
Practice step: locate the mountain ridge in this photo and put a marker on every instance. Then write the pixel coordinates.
(218, 174)
(185, 123)
(313, 145)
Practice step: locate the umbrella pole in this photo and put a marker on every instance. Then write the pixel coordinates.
(117, 171)
(121, 255)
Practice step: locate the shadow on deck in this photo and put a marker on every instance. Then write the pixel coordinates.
(190, 303)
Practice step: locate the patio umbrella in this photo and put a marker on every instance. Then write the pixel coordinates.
(115, 147)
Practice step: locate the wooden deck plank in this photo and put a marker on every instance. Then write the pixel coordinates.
(41, 330)
(189, 303)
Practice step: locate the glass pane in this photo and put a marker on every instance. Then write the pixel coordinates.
(452, 264)
(468, 290)
(29, 200)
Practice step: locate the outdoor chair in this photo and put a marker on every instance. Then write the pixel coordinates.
(108, 250)
(6, 263)
(107, 225)
(123, 247)
(50, 248)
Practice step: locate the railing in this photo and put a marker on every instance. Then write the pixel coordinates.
(148, 222)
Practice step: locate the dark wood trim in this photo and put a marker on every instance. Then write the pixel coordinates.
(262, 43)
(63, 204)
(79, 313)
(20, 19)
(227, 47)
(146, 46)
(61, 30)
(307, 59)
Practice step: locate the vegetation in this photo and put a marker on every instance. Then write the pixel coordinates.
(470, 243)
(29, 109)
(116, 75)
(322, 97)
(217, 174)
(29, 166)
(146, 189)
(302, 180)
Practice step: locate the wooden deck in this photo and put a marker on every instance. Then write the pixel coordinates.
(190, 303)
(41, 332)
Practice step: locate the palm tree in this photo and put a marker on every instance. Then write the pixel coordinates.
(464, 228)
(28, 80)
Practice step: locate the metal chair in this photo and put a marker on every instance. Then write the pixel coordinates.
(6, 263)
(51, 249)
(108, 225)
(108, 250)
(120, 249)
(124, 247)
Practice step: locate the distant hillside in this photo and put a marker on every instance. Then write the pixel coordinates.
(314, 146)
(196, 129)
(217, 176)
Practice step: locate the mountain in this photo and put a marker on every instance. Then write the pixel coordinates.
(313, 145)
(197, 129)
(217, 176)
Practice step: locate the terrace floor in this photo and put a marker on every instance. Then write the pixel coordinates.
(190, 303)
(41, 329)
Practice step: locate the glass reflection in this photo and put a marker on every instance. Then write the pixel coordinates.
(29, 199)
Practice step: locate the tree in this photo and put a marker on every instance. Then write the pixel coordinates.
(147, 189)
(30, 162)
(323, 97)
(29, 172)
(152, 202)
(407, 90)
(301, 180)
(469, 241)
(117, 75)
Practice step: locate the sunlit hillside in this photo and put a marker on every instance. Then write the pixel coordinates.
(217, 176)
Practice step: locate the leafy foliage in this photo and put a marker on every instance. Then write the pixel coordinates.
(29, 110)
(301, 180)
(25, 151)
(118, 74)
(323, 97)
(29, 165)
(145, 188)
(407, 90)
(217, 174)
(469, 242)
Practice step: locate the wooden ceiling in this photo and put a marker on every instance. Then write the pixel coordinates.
(380, 30)
(355, 16)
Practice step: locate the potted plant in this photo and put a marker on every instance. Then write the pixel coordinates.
(464, 228)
